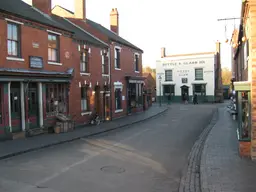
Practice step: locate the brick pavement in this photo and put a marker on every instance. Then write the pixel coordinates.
(17, 147)
(221, 168)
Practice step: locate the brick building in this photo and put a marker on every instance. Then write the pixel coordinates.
(125, 60)
(244, 76)
(48, 65)
(149, 90)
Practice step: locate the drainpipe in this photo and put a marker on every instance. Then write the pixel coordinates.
(110, 80)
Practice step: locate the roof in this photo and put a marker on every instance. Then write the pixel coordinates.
(79, 33)
(111, 35)
(22, 9)
(191, 54)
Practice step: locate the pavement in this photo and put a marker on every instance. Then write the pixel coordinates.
(144, 157)
(221, 168)
(16, 147)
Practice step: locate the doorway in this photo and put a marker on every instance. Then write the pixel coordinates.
(184, 92)
(15, 107)
(97, 100)
(32, 110)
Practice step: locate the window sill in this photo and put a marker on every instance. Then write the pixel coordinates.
(105, 75)
(86, 113)
(15, 59)
(54, 63)
(118, 69)
(119, 111)
(137, 72)
(85, 74)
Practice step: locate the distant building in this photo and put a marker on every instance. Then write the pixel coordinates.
(187, 75)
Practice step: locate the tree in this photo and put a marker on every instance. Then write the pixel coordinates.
(150, 70)
(226, 76)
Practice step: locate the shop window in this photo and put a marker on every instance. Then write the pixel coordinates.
(118, 99)
(1, 107)
(168, 75)
(13, 42)
(117, 58)
(104, 58)
(53, 48)
(56, 99)
(136, 97)
(245, 115)
(84, 61)
(200, 89)
(85, 99)
(199, 74)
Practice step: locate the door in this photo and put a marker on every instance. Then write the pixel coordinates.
(15, 107)
(97, 100)
(184, 92)
(32, 99)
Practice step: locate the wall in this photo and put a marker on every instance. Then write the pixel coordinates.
(186, 71)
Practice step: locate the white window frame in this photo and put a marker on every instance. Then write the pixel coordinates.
(117, 48)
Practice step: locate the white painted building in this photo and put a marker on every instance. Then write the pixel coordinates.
(186, 74)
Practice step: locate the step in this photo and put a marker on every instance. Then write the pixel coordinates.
(36, 131)
(19, 135)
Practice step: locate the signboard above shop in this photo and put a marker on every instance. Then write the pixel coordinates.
(178, 63)
(36, 62)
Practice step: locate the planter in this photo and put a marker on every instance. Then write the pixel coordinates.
(57, 129)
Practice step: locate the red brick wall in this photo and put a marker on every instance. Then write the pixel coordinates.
(245, 148)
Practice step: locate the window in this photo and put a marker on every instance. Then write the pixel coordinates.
(245, 129)
(136, 62)
(118, 99)
(135, 95)
(53, 48)
(104, 58)
(56, 98)
(168, 75)
(200, 89)
(246, 54)
(13, 41)
(199, 74)
(85, 99)
(117, 58)
(184, 80)
(84, 61)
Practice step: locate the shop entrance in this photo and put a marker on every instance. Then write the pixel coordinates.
(15, 107)
(184, 92)
(32, 103)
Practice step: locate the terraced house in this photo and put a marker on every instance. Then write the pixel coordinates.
(125, 59)
(48, 66)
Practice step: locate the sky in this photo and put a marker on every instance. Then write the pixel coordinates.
(180, 26)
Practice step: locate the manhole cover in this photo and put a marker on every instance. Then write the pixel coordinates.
(112, 169)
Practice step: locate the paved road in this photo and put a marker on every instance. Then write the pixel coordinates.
(146, 157)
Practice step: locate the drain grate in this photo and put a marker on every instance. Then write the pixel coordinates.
(112, 169)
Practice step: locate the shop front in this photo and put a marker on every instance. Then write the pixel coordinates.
(24, 100)
(244, 117)
(134, 94)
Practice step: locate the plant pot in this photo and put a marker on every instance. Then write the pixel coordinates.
(57, 129)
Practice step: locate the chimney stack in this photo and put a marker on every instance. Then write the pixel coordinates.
(114, 21)
(163, 52)
(80, 9)
(43, 5)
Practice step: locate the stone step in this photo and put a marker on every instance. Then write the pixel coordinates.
(19, 135)
(36, 131)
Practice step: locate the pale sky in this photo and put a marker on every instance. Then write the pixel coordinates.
(181, 26)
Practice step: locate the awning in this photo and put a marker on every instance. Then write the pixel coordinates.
(9, 74)
(135, 79)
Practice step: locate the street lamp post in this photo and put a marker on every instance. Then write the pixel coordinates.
(160, 90)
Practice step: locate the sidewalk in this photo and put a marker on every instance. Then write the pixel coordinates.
(16, 147)
(222, 169)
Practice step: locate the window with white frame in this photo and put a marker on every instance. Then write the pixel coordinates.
(199, 74)
(118, 98)
(246, 54)
(136, 62)
(85, 100)
(104, 59)
(53, 48)
(117, 57)
(13, 42)
(84, 61)
(168, 75)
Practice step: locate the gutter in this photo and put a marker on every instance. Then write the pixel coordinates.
(110, 80)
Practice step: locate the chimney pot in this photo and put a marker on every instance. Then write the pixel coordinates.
(163, 52)
(114, 21)
(43, 5)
